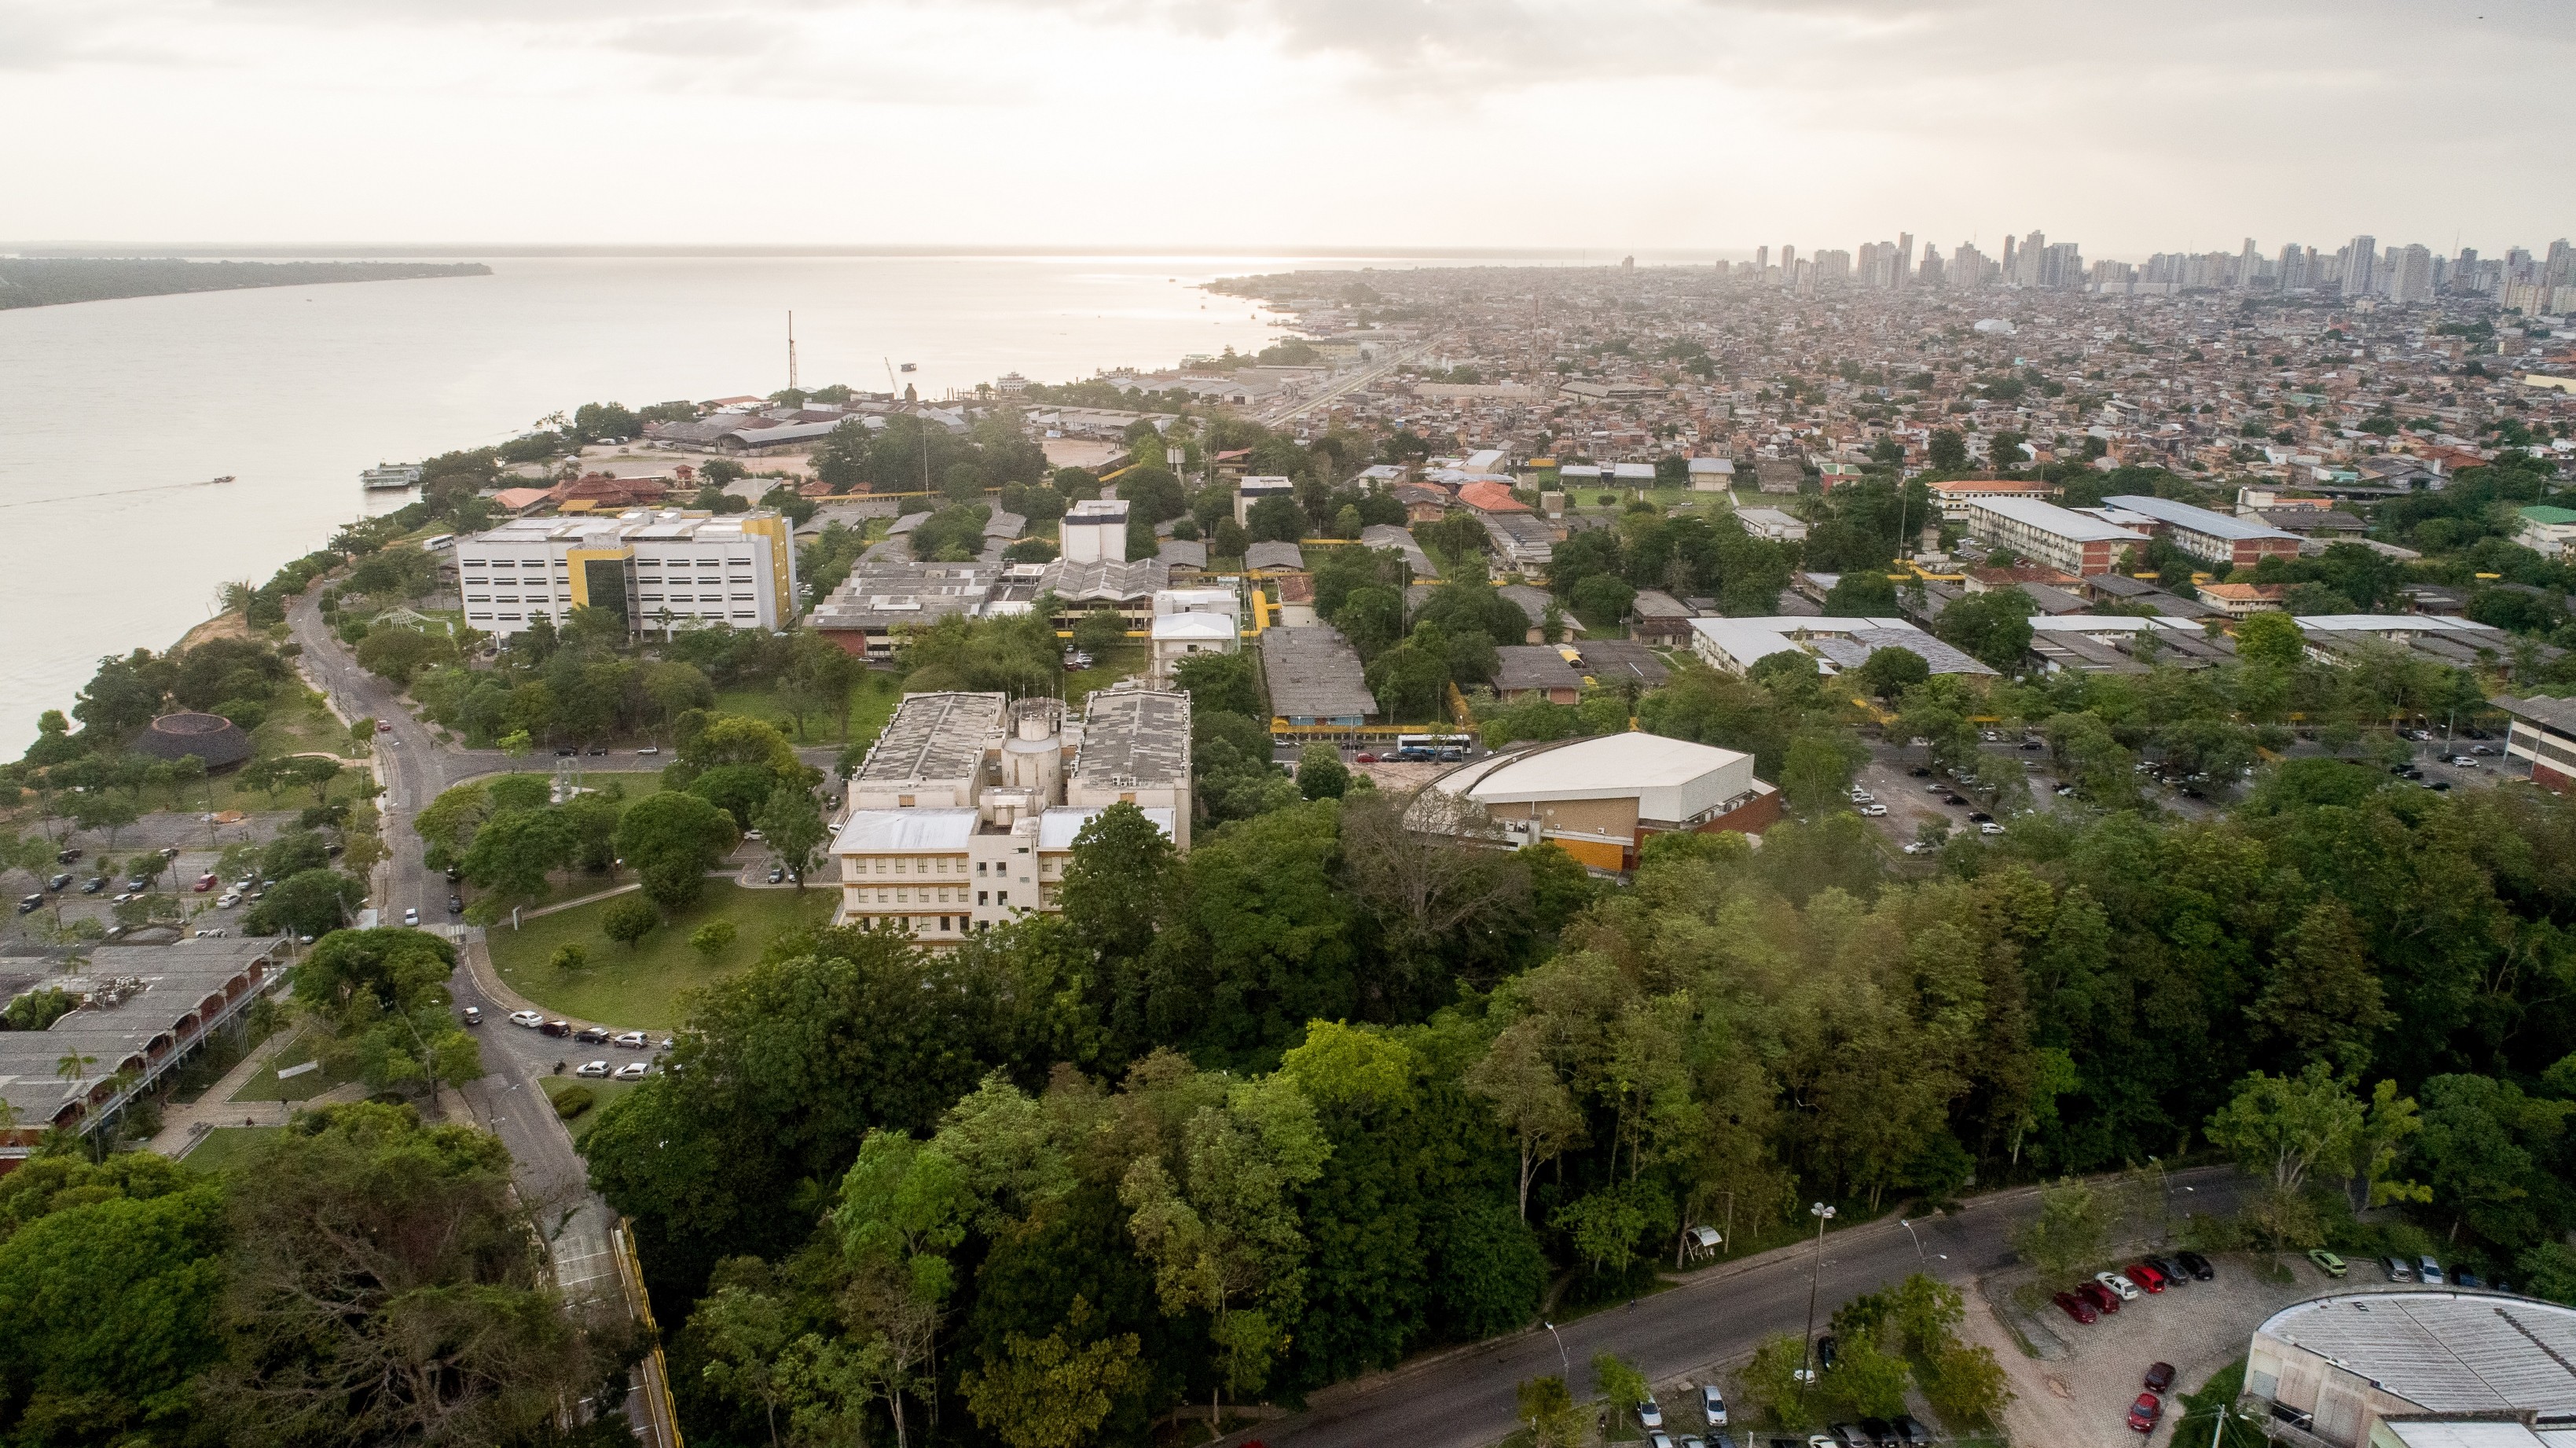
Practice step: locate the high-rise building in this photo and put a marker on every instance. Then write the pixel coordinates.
(1904, 256)
(2361, 267)
(2011, 263)
(2410, 274)
(2249, 265)
(2292, 268)
(1761, 259)
(2560, 269)
(2034, 260)
(656, 570)
(1969, 266)
(1929, 274)
(1788, 266)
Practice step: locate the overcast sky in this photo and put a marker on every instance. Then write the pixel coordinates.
(1706, 125)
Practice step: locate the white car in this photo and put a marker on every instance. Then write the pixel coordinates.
(632, 1071)
(1861, 796)
(1873, 810)
(2126, 1290)
(411, 917)
(591, 1068)
(1712, 1405)
(631, 1040)
(1649, 1415)
(1658, 1438)
(529, 1019)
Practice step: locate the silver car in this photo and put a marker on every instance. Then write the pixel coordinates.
(1712, 1405)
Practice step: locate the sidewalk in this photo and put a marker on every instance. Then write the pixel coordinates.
(182, 1127)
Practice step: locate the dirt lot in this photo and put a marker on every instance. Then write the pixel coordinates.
(2079, 1397)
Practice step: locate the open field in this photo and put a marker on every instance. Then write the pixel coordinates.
(267, 1087)
(640, 986)
(872, 702)
(225, 1146)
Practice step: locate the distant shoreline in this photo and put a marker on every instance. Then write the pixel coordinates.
(53, 281)
(1599, 256)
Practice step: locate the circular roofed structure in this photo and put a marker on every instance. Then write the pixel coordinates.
(211, 737)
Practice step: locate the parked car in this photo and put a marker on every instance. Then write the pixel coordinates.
(2146, 1277)
(2174, 1275)
(2122, 1287)
(594, 1035)
(2145, 1412)
(455, 904)
(206, 882)
(777, 873)
(59, 883)
(65, 857)
(1910, 1432)
(529, 1019)
(2429, 1270)
(2076, 1307)
(592, 1068)
(30, 904)
(631, 1040)
(2160, 1377)
(1979, 817)
(1990, 828)
(1364, 757)
(2102, 1298)
(1712, 1405)
(1849, 1435)
(596, 750)
(411, 916)
(2327, 1262)
(1649, 1415)
(96, 883)
(2398, 1269)
(472, 1015)
(1882, 1433)
(2463, 1277)
(2197, 1265)
(1873, 810)
(555, 1028)
(633, 1071)
(1658, 1438)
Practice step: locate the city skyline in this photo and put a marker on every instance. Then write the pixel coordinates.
(1258, 124)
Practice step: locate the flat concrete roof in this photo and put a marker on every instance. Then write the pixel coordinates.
(1058, 827)
(2198, 520)
(892, 831)
(2049, 518)
(1136, 735)
(935, 737)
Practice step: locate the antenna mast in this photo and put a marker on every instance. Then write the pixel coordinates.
(791, 352)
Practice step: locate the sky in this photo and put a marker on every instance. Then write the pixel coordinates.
(1691, 126)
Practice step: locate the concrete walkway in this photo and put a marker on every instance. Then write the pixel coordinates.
(182, 1127)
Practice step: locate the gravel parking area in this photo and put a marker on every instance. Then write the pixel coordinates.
(2079, 1398)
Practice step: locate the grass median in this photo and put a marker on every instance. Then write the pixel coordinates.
(640, 986)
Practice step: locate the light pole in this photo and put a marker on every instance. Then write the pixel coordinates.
(1807, 1356)
(1918, 1240)
(1560, 1354)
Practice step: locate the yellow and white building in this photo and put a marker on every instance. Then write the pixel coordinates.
(662, 570)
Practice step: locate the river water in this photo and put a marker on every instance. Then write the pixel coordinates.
(112, 412)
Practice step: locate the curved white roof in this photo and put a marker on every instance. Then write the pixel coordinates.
(1671, 779)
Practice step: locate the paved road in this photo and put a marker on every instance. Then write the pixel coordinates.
(1344, 385)
(1465, 1399)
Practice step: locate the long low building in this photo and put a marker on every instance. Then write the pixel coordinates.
(2210, 537)
(2062, 538)
(1735, 645)
(2543, 736)
(883, 597)
(1598, 799)
(142, 1011)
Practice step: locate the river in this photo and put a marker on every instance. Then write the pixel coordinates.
(112, 414)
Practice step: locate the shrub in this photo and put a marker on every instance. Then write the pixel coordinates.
(574, 1100)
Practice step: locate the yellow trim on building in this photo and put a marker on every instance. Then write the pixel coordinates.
(574, 558)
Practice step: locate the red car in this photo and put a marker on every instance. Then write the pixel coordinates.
(2102, 1298)
(2144, 1413)
(2147, 1277)
(2076, 1307)
(1364, 759)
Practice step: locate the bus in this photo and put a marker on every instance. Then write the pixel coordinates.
(1442, 748)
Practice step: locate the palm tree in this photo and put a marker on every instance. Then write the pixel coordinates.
(74, 1067)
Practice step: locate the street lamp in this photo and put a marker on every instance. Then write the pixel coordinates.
(1560, 1353)
(1918, 1240)
(1807, 1357)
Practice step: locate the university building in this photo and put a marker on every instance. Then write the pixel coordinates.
(659, 570)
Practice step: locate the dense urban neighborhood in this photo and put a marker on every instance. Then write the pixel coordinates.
(1853, 848)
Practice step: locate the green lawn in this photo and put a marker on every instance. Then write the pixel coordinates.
(872, 702)
(601, 1092)
(225, 1146)
(637, 783)
(641, 986)
(1118, 663)
(266, 1087)
(299, 722)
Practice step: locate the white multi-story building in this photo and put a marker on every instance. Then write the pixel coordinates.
(661, 570)
(2065, 540)
(964, 813)
(1193, 621)
(1095, 531)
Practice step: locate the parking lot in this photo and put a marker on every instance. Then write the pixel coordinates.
(2079, 1395)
